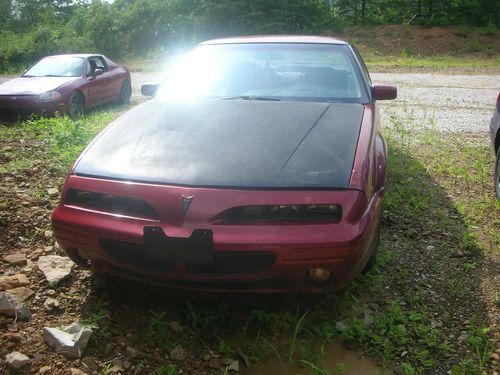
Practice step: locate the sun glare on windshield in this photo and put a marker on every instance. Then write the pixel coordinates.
(266, 71)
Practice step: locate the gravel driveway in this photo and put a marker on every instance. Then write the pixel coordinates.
(453, 103)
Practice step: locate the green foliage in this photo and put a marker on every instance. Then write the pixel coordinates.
(30, 29)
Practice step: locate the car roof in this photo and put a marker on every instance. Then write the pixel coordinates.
(276, 39)
(85, 55)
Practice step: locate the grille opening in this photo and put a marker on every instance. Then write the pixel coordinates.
(298, 213)
(234, 263)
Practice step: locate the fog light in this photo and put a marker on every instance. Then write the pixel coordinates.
(319, 275)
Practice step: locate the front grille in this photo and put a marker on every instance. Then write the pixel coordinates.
(234, 263)
(133, 254)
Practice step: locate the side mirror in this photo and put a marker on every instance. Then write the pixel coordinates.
(149, 89)
(384, 92)
(97, 72)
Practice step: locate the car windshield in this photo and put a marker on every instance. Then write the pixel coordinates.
(61, 66)
(265, 71)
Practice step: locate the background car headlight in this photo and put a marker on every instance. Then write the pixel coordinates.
(316, 213)
(49, 96)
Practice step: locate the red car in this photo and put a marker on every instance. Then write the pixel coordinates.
(257, 166)
(65, 84)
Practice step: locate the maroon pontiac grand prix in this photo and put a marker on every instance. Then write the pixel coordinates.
(65, 84)
(258, 165)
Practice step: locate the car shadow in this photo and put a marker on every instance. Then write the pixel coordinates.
(424, 298)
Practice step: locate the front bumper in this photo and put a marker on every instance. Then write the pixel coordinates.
(15, 107)
(256, 258)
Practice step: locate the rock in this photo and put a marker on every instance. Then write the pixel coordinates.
(495, 357)
(108, 349)
(50, 292)
(16, 259)
(176, 326)
(70, 342)
(234, 366)
(207, 357)
(340, 326)
(55, 268)
(89, 364)
(11, 306)
(51, 304)
(52, 192)
(22, 293)
(45, 370)
(132, 352)
(13, 281)
(178, 353)
(214, 363)
(430, 248)
(75, 371)
(16, 360)
(462, 337)
(224, 361)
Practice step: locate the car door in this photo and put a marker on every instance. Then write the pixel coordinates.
(100, 89)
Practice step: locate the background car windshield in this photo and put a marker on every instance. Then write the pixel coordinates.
(57, 67)
(285, 71)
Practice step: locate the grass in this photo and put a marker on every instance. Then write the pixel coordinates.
(441, 63)
(439, 194)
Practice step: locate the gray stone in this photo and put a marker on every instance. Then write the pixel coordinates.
(234, 366)
(51, 304)
(340, 326)
(178, 353)
(16, 360)
(11, 306)
(132, 352)
(70, 342)
(52, 192)
(55, 268)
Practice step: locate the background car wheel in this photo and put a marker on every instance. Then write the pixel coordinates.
(374, 249)
(76, 105)
(497, 174)
(125, 92)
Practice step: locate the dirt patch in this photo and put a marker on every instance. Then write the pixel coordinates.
(405, 40)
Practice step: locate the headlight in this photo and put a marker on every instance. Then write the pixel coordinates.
(299, 213)
(113, 204)
(49, 96)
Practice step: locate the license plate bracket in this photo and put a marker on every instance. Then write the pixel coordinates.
(198, 248)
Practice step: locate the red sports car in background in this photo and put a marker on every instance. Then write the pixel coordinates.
(258, 166)
(65, 84)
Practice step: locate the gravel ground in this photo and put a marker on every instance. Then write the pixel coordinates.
(452, 103)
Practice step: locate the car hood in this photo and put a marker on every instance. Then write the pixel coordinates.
(33, 85)
(229, 143)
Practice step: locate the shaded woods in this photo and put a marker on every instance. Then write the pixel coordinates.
(147, 28)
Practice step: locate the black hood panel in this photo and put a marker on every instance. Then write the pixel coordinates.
(229, 143)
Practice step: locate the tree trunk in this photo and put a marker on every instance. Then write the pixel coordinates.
(363, 7)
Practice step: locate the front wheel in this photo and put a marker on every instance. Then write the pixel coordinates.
(76, 107)
(497, 174)
(125, 93)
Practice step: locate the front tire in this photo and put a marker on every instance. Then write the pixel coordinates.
(76, 106)
(497, 174)
(125, 93)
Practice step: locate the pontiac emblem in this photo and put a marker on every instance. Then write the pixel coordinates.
(13, 98)
(186, 201)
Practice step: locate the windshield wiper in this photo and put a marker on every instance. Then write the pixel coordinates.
(27, 76)
(250, 97)
(51, 75)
